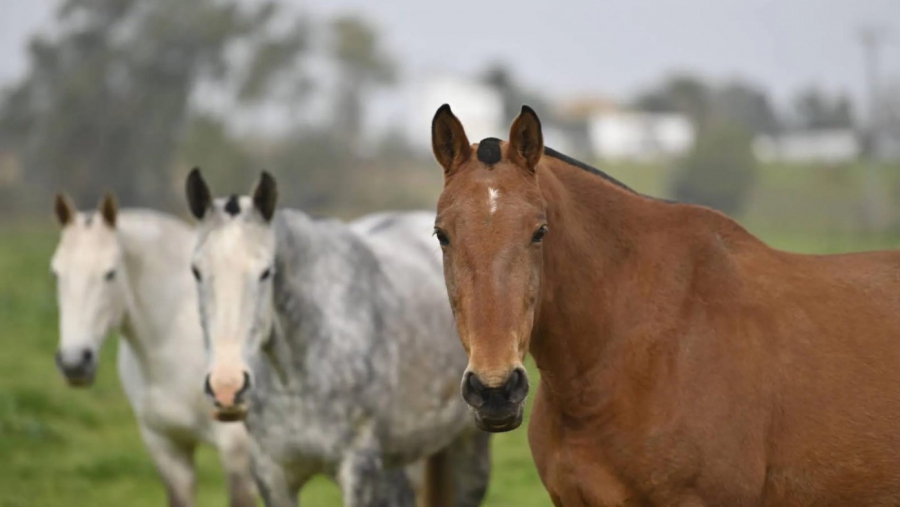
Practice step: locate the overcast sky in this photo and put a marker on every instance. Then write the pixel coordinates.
(605, 47)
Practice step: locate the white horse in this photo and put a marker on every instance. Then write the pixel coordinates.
(130, 272)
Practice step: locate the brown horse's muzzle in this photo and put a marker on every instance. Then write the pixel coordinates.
(228, 396)
(496, 409)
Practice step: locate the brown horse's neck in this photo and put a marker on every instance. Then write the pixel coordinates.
(607, 259)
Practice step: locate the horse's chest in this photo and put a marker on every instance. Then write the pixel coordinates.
(292, 429)
(573, 481)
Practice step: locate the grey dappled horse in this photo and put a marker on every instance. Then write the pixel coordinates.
(336, 344)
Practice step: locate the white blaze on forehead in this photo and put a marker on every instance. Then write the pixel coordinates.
(493, 193)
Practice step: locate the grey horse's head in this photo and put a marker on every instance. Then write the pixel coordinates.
(234, 264)
(90, 286)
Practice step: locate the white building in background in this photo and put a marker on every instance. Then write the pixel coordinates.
(629, 135)
(478, 107)
(828, 146)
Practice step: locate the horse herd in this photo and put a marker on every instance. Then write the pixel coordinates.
(683, 362)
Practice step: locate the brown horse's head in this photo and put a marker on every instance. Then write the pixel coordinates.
(491, 223)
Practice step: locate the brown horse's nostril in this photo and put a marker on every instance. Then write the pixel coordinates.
(516, 387)
(473, 390)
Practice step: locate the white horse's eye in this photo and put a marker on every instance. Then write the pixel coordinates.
(196, 273)
(265, 274)
(110, 275)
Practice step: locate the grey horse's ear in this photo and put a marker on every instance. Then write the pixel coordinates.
(198, 196)
(108, 209)
(265, 195)
(64, 209)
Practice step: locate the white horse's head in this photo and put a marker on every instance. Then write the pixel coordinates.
(234, 264)
(88, 269)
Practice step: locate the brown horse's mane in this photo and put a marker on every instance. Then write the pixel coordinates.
(701, 216)
(550, 152)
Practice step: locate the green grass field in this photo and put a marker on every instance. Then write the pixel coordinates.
(60, 446)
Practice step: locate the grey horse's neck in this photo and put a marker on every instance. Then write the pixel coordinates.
(328, 286)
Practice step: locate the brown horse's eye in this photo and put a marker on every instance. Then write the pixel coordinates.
(442, 237)
(539, 234)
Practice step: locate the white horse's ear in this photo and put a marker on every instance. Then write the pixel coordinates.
(64, 209)
(265, 196)
(108, 209)
(198, 195)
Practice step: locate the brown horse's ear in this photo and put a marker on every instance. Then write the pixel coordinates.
(526, 142)
(448, 140)
(64, 209)
(265, 196)
(108, 209)
(198, 197)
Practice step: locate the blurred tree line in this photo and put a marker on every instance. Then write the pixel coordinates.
(721, 169)
(109, 100)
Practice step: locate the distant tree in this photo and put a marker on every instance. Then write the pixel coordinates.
(720, 171)
(313, 163)
(499, 77)
(105, 101)
(208, 144)
(681, 93)
(363, 64)
(747, 106)
(891, 110)
(816, 110)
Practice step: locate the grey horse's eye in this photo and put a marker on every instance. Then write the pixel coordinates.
(110, 275)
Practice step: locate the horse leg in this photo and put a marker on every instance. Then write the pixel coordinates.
(272, 481)
(439, 480)
(469, 467)
(175, 464)
(234, 454)
(365, 482)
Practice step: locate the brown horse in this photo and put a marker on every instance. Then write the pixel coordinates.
(683, 362)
